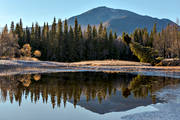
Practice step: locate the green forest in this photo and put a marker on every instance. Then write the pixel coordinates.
(62, 42)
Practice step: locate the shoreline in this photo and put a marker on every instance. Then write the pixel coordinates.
(13, 67)
(153, 111)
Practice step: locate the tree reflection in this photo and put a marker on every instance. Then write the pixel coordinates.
(72, 86)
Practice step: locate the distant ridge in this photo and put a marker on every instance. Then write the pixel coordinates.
(118, 20)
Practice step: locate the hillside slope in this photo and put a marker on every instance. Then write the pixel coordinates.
(118, 20)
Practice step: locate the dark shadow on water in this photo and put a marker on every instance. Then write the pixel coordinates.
(95, 91)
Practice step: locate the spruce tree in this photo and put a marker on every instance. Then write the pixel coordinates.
(65, 42)
(100, 41)
(145, 37)
(115, 36)
(116, 47)
(88, 45)
(45, 44)
(100, 30)
(60, 40)
(71, 45)
(48, 41)
(80, 43)
(12, 27)
(105, 44)
(54, 42)
(37, 36)
(28, 36)
(32, 42)
(155, 29)
(43, 37)
(76, 41)
(95, 43)
(110, 45)
(19, 33)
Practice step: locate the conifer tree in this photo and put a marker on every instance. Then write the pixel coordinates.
(21, 24)
(100, 30)
(80, 43)
(37, 37)
(105, 44)
(76, 41)
(45, 37)
(54, 42)
(95, 43)
(151, 38)
(155, 29)
(71, 45)
(100, 41)
(59, 37)
(32, 42)
(153, 35)
(111, 45)
(145, 37)
(5, 30)
(144, 54)
(12, 27)
(48, 40)
(65, 42)
(88, 45)
(19, 33)
(28, 36)
(115, 36)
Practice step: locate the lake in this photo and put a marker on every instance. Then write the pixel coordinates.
(79, 95)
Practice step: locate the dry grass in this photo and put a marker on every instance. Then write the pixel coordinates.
(21, 58)
(109, 63)
(8, 67)
(26, 59)
(169, 62)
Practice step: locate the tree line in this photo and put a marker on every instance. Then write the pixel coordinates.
(166, 42)
(62, 42)
(154, 46)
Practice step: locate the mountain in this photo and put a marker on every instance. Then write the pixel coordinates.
(118, 20)
(115, 103)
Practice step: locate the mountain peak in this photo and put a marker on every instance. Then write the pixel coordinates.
(104, 7)
(118, 20)
(101, 7)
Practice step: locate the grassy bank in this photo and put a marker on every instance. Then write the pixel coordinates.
(9, 67)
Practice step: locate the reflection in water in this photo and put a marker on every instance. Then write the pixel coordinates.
(74, 87)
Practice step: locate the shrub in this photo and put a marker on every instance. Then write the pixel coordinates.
(37, 77)
(144, 54)
(26, 50)
(37, 53)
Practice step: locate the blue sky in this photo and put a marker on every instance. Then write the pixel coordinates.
(45, 10)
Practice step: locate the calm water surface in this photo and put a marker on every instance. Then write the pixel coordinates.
(77, 96)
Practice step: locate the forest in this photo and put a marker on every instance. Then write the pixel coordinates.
(65, 43)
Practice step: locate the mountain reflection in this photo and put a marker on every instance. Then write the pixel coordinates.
(75, 87)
